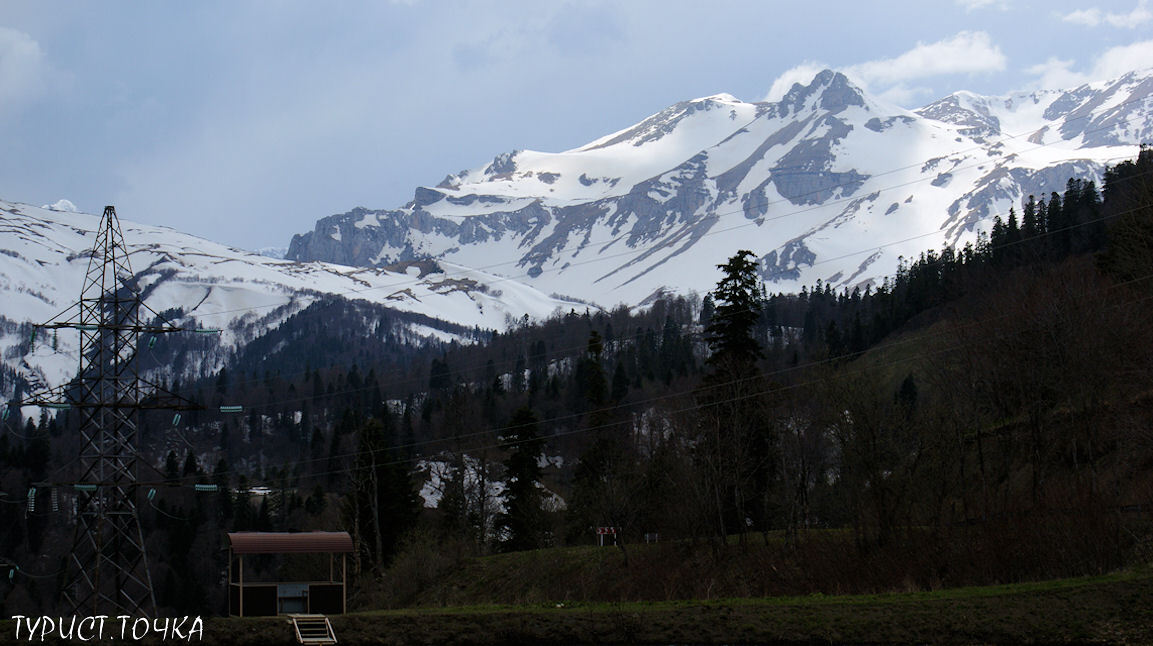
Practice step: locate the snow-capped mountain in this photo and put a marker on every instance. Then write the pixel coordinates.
(828, 183)
(44, 254)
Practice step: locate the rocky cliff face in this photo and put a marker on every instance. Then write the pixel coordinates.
(827, 183)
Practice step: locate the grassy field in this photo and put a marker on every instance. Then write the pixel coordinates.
(824, 562)
(1110, 609)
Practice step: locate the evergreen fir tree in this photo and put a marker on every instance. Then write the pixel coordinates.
(730, 333)
(620, 384)
(738, 441)
(997, 241)
(1029, 218)
(1054, 225)
(1065, 238)
(591, 384)
(1128, 207)
(191, 466)
(708, 308)
(523, 521)
(383, 502)
(453, 503)
(1012, 239)
(1091, 217)
(171, 468)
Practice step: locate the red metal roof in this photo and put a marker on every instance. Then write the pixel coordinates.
(289, 542)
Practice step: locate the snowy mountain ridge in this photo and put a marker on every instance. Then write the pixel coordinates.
(828, 183)
(45, 253)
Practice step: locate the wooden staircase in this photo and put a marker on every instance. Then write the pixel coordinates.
(313, 629)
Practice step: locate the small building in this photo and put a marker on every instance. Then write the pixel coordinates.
(269, 598)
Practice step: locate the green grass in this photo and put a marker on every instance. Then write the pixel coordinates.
(972, 592)
(1113, 608)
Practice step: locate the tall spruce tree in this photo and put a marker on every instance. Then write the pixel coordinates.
(382, 504)
(738, 307)
(523, 521)
(1057, 239)
(736, 447)
(997, 242)
(1029, 217)
(1013, 251)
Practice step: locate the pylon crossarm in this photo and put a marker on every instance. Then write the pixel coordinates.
(79, 405)
(126, 327)
(49, 398)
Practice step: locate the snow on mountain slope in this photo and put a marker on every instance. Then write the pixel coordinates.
(1100, 114)
(611, 165)
(828, 183)
(44, 255)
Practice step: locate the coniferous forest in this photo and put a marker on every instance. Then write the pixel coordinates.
(982, 416)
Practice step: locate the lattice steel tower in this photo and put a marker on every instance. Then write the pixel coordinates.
(107, 569)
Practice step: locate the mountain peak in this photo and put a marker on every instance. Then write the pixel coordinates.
(829, 76)
(839, 92)
(721, 97)
(834, 89)
(825, 169)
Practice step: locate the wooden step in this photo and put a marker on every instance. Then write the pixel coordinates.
(313, 629)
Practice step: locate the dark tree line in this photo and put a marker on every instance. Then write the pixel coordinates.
(1073, 223)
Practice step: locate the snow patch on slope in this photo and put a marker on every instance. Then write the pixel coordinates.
(45, 254)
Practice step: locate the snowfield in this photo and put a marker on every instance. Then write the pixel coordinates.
(826, 184)
(44, 254)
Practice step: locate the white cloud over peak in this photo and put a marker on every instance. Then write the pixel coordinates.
(1095, 17)
(1126, 58)
(968, 52)
(1058, 74)
(802, 74)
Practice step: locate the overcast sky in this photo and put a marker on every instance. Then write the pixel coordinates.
(245, 122)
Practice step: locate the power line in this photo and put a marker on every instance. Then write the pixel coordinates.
(16, 569)
(678, 395)
(601, 257)
(682, 410)
(506, 363)
(459, 371)
(687, 393)
(367, 388)
(888, 244)
(694, 407)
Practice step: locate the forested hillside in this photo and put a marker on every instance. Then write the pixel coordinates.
(983, 415)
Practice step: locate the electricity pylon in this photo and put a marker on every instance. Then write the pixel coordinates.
(107, 569)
